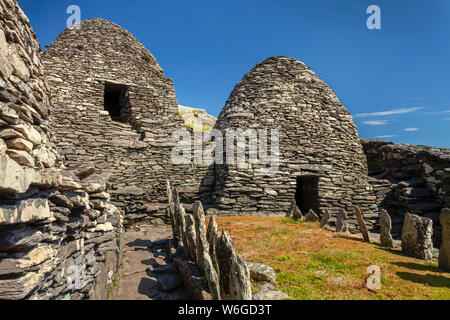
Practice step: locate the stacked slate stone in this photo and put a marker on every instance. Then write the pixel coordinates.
(202, 252)
(132, 149)
(58, 235)
(317, 139)
(408, 178)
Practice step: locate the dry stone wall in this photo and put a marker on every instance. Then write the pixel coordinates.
(410, 179)
(86, 68)
(318, 142)
(59, 236)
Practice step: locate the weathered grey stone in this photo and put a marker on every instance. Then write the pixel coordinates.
(234, 274)
(211, 276)
(385, 230)
(311, 216)
(21, 157)
(192, 279)
(200, 229)
(341, 222)
(294, 211)
(240, 286)
(191, 236)
(24, 211)
(416, 237)
(20, 239)
(362, 225)
(212, 235)
(261, 272)
(325, 218)
(444, 253)
(270, 295)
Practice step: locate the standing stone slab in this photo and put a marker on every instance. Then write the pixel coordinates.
(176, 203)
(362, 225)
(171, 207)
(416, 237)
(211, 276)
(444, 253)
(240, 286)
(212, 235)
(325, 218)
(191, 236)
(294, 212)
(341, 222)
(385, 230)
(311, 216)
(234, 275)
(200, 229)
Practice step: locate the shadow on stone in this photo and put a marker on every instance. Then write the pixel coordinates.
(149, 287)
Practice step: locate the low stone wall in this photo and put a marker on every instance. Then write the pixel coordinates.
(409, 179)
(202, 252)
(60, 236)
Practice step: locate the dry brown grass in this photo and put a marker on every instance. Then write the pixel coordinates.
(312, 263)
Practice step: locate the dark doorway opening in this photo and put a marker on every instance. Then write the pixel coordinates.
(116, 101)
(307, 193)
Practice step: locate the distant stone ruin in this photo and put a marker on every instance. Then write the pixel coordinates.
(409, 179)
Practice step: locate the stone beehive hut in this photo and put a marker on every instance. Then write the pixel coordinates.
(52, 225)
(115, 111)
(322, 163)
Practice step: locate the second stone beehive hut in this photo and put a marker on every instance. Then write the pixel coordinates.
(322, 163)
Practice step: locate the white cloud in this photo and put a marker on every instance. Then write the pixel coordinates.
(440, 112)
(411, 129)
(446, 119)
(376, 122)
(388, 113)
(386, 136)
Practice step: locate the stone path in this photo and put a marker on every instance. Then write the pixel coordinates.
(146, 272)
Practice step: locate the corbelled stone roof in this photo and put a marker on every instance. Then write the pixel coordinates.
(317, 138)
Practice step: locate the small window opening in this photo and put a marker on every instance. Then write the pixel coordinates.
(117, 102)
(307, 193)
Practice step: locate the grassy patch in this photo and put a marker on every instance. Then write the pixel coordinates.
(315, 264)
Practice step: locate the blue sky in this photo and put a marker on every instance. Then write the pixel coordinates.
(395, 81)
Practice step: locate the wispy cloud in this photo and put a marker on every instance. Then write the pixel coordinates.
(446, 119)
(376, 122)
(388, 113)
(386, 136)
(440, 112)
(411, 129)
